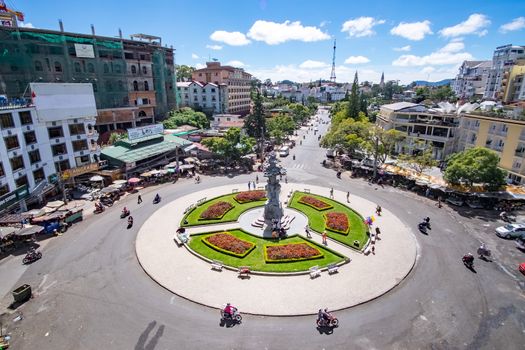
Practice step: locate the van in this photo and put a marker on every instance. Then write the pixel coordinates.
(284, 151)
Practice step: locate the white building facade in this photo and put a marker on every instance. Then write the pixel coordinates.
(503, 60)
(210, 98)
(471, 80)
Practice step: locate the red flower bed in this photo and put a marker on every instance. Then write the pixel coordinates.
(250, 196)
(216, 211)
(293, 251)
(228, 243)
(314, 203)
(337, 222)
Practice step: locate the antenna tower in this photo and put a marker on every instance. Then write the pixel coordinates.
(332, 75)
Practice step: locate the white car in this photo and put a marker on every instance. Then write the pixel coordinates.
(511, 230)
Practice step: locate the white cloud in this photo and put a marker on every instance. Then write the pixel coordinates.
(452, 53)
(214, 47)
(357, 60)
(412, 31)
(200, 66)
(428, 70)
(515, 24)
(310, 64)
(324, 23)
(361, 26)
(195, 56)
(230, 38)
(475, 24)
(235, 63)
(404, 48)
(273, 33)
(26, 25)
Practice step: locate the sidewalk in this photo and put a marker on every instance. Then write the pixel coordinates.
(364, 278)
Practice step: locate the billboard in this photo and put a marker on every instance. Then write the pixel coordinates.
(144, 131)
(84, 51)
(61, 101)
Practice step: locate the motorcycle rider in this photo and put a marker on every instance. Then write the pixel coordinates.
(130, 220)
(125, 211)
(468, 258)
(157, 198)
(229, 310)
(504, 216)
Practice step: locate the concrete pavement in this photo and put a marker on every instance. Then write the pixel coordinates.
(363, 279)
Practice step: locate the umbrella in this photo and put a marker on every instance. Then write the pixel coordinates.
(5, 231)
(96, 178)
(146, 174)
(134, 180)
(119, 182)
(154, 172)
(55, 204)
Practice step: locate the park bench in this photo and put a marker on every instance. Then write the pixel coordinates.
(373, 238)
(314, 271)
(216, 265)
(243, 271)
(181, 238)
(333, 268)
(367, 249)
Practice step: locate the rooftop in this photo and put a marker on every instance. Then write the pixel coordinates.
(399, 106)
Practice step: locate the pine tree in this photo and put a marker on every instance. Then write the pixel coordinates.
(255, 123)
(353, 107)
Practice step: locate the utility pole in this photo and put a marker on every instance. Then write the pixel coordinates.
(61, 183)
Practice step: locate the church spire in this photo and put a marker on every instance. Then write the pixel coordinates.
(382, 83)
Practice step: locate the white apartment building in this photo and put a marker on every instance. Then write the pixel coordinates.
(210, 98)
(471, 80)
(44, 139)
(503, 60)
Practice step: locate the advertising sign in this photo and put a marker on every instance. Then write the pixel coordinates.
(66, 174)
(11, 197)
(137, 133)
(84, 51)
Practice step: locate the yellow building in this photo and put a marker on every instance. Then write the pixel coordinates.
(504, 136)
(513, 83)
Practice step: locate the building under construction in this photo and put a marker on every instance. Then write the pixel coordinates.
(133, 79)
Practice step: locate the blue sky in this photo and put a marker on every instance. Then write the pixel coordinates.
(292, 39)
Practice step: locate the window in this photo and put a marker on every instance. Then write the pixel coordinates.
(6, 121)
(34, 156)
(213, 90)
(128, 55)
(133, 69)
(78, 69)
(2, 172)
(4, 189)
(135, 86)
(194, 91)
(77, 129)
(59, 149)
(61, 166)
(144, 70)
(146, 86)
(106, 68)
(145, 101)
(79, 145)
(16, 163)
(38, 66)
(58, 67)
(25, 118)
(21, 181)
(90, 68)
(117, 68)
(11, 142)
(120, 85)
(109, 86)
(39, 175)
(30, 137)
(55, 132)
(142, 114)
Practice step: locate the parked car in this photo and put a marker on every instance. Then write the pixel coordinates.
(511, 230)
(522, 268)
(284, 151)
(520, 242)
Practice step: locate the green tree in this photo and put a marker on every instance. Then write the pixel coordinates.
(115, 136)
(422, 159)
(422, 94)
(281, 126)
(380, 143)
(363, 104)
(232, 146)
(255, 123)
(184, 72)
(442, 93)
(354, 107)
(186, 116)
(475, 165)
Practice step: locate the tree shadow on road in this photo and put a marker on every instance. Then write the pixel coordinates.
(141, 343)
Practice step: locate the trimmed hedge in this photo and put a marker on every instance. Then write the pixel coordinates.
(335, 230)
(229, 252)
(211, 208)
(313, 257)
(328, 205)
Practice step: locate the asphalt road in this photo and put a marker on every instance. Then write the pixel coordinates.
(91, 292)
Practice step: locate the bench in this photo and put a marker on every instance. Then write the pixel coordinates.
(333, 268)
(314, 271)
(367, 250)
(216, 265)
(181, 238)
(243, 271)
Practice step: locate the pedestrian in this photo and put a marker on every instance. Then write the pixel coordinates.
(249, 185)
(378, 231)
(427, 192)
(307, 230)
(324, 238)
(374, 249)
(253, 185)
(439, 202)
(257, 179)
(348, 197)
(286, 179)
(139, 199)
(332, 192)
(378, 210)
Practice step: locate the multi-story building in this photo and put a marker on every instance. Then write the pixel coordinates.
(133, 79)
(42, 140)
(209, 98)
(513, 84)
(504, 136)
(433, 127)
(471, 80)
(502, 61)
(237, 82)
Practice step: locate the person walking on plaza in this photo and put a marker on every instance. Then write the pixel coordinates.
(139, 199)
(324, 238)
(332, 192)
(348, 197)
(307, 230)
(257, 179)
(249, 185)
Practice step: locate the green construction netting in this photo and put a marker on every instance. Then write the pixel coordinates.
(56, 38)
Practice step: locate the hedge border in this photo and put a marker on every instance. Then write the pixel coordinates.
(330, 206)
(346, 233)
(271, 261)
(218, 217)
(227, 252)
(258, 200)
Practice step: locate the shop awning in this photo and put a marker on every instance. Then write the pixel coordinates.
(28, 231)
(6, 231)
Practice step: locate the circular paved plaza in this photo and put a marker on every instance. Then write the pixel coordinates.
(365, 277)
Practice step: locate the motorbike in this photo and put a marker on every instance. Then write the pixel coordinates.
(484, 253)
(156, 200)
(236, 316)
(424, 226)
(99, 209)
(507, 218)
(130, 222)
(124, 213)
(468, 261)
(338, 174)
(331, 322)
(106, 201)
(32, 256)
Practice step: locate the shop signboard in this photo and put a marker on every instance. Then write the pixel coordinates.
(137, 133)
(7, 199)
(84, 51)
(79, 170)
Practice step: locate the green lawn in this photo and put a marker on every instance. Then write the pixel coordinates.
(316, 220)
(232, 215)
(255, 259)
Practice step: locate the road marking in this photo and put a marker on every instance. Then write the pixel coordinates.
(172, 300)
(507, 271)
(43, 281)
